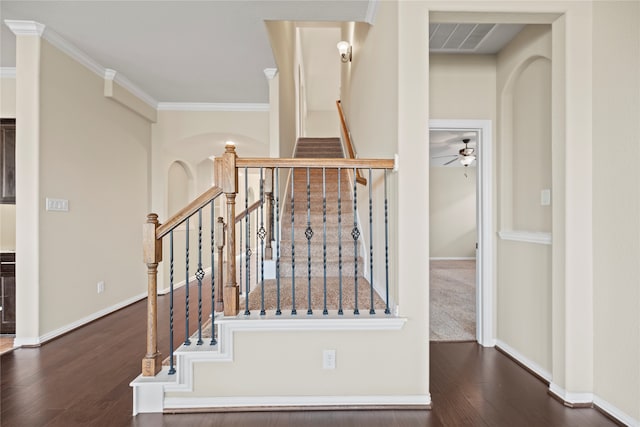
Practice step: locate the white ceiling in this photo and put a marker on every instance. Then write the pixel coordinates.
(178, 51)
(471, 38)
(444, 147)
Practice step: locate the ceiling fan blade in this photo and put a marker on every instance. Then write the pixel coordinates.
(451, 161)
(448, 155)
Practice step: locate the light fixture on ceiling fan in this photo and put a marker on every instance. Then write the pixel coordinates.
(465, 155)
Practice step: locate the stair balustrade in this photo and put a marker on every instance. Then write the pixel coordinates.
(312, 203)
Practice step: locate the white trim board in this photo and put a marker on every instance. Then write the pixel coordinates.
(530, 364)
(616, 413)
(461, 258)
(204, 106)
(8, 72)
(78, 323)
(539, 237)
(484, 211)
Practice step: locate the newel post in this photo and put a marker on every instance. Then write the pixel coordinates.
(229, 184)
(152, 254)
(220, 227)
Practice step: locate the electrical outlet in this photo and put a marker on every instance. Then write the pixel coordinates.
(328, 359)
(100, 287)
(57, 205)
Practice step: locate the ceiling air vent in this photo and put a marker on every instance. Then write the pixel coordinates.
(457, 37)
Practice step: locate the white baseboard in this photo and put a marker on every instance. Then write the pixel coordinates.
(461, 258)
(616, 413)
(570, 397)
(19, 342)
(530, 364)
(175, 403)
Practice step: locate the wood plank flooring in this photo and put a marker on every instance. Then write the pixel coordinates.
(82, 379)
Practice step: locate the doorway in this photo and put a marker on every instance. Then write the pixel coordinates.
(481, 130)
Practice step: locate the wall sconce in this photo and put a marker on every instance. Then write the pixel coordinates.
(345, 51)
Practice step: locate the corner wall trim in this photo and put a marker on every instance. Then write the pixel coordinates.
(540, 237)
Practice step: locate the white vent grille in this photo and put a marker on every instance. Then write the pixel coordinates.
(458, 37)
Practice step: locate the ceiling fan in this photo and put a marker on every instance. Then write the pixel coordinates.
(465, 155)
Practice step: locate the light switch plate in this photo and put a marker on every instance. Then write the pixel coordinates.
(57, 205)
(545, 197)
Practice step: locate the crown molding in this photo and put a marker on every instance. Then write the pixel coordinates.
(270, 73)
(372, 8)
(204, 106)
(25, 28)
(35, 28)
(8, 72)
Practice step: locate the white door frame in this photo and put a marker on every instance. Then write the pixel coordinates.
(485, 331)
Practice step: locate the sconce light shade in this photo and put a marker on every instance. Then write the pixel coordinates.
(345, 51)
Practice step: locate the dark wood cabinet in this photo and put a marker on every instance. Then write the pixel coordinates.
(8, 161)
(7, 293)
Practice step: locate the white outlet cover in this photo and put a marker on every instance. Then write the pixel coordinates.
(329, 359)
(545, 197)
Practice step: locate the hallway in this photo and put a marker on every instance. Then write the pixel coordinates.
(82, 379)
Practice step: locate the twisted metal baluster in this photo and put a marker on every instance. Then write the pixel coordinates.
(172, 369)
(355, 233)
(386, 244)
(199, 276)
(293, 250)
(247, 243)
(339, 243)
(324, 238)
(308, 234)
(187, 341)
(371, 310)
(213, 275)
(262, 234)
(277, 228)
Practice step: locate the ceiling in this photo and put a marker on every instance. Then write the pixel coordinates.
(202, 51)
(178, 51)
(471, 38)
(444, 147)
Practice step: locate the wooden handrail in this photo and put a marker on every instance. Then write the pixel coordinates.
(314, 163)
(187, 211)
(247, 211)
(347, 136)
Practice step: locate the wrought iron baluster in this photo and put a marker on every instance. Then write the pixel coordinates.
(199, 277)
(187, 341)
(293, 248)
(213, 275)
(371, 309)
(324, 240)
(308, 234)
(262, 233)
(355, 233)
(277, 233)
(172, 369)
(340, 311)
(247, 243)
(386, 244)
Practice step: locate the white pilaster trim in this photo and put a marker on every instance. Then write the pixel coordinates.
(539, 237)
(616, 413)
(204, 106)
(8, 72)
(25, 28)
(570, 397)
(530, 364)
(270, 73)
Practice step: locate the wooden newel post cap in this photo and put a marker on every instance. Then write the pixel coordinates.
(152, 218)
(230, 148)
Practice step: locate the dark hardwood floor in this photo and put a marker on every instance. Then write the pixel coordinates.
(82, 379)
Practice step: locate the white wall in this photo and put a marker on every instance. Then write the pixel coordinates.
(524, 143)
(616, 204)
(452, 212)
(322, 124)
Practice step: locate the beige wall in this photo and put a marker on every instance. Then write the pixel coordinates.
(322, 124)
(69, 146)
(452, 212)
(524, 144)
(616, 204)
(7, 212)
